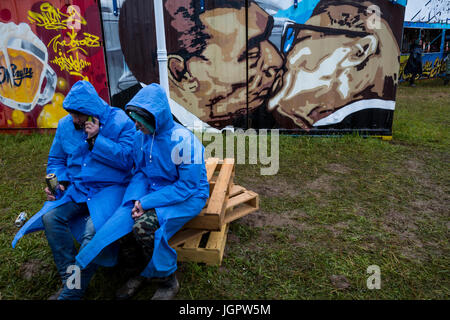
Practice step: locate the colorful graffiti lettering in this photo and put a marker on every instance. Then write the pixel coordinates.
(17, 75)
(89, 41)
(70, 63)
(45, 48)
(430, 68)
(52, 18)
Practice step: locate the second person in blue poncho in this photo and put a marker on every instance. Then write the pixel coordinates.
(169, 187)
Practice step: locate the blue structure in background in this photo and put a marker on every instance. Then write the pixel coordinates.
(428, 21)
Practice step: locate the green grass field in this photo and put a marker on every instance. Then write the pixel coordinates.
(337, 206)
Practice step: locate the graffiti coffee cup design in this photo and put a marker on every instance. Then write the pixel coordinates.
(23, 68)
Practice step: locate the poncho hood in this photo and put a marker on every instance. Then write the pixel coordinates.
(84, 98)
(153, 99)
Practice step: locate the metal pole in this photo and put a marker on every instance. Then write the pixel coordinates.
(161, 46)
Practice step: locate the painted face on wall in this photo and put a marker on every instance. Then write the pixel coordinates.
(215, 83)
(331, 64)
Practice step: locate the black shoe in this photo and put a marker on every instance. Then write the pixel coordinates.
(130, 288)
(168, 289)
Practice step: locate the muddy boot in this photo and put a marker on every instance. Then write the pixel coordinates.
(167, 290)
(130, 288)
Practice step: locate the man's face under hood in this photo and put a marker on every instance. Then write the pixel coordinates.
(79, 120)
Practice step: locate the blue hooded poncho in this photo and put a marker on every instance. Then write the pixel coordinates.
(98, 177)
(169, 175)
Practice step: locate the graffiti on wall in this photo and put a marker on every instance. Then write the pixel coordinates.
(46, 47)
(433, 65)
(316, 65)
(430, 11)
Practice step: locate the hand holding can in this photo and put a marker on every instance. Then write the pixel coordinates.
(53, 189)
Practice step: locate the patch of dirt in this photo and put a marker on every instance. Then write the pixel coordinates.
(273, 187)
(266, 222)
(32, 268)
(432, 206)
(340, 282)
(404, 228)
(338, 168)
(400, 222)
(262, 219)
(232, 238)
(414, 165)
(323, 183)
(337, 228)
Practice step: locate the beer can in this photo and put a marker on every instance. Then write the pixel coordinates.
(52, 182)
(21, 218)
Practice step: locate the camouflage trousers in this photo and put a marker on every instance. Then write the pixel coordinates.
(144, 229)
(136, 248)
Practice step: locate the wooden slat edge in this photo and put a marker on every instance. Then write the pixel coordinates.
(218, 196)
(241, 198)
(185, 235)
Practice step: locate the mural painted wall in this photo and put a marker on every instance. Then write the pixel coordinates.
(307, 65)
(45, 47)
(433, 65)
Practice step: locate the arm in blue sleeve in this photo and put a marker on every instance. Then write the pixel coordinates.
(116, 154)
(180, 190)
(57, 159)
(136, 188)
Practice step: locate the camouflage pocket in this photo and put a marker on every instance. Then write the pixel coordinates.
(144, 229)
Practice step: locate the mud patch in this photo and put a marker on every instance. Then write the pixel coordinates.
(262, 219)
(404, 228)
(338, 168)
(32, 268)
(414, 165)
(273, 187)
(323, 183)
(338, 228)
(340, 282)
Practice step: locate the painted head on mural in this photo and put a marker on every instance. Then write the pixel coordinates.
(207, 56)
(344, 53)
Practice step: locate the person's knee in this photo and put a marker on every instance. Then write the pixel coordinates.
(144, 231)
(49, 219)
(89, 232)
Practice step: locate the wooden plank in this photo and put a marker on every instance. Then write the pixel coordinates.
(206, 222)
(240, 198)
(184, 235)
(240, 212)
(218, 196)
(235, 190)
(232, 212)
(192, 243)
(212, 254)
(211, 164)
(222, 247)
(216, 238)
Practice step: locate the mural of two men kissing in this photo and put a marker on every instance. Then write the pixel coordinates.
(319, 66)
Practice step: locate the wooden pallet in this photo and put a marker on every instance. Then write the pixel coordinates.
(220, 175)
(204, 248)
(230, 201)
(241, 203)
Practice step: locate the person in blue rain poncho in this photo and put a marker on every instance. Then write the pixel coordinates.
(91, 156)
(169, 187)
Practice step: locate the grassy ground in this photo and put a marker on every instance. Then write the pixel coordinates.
(336, 207)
